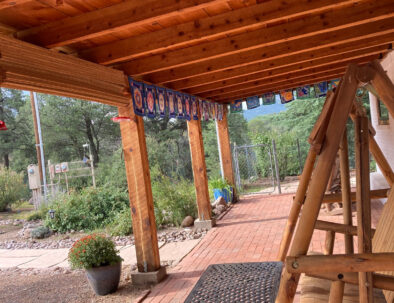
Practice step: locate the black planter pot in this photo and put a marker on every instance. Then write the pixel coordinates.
(105, 279)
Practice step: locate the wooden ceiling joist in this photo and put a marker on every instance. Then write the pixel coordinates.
(248, 62)
(232, 22)
(361, 13)
(26, 66)
(323, 63)
(99, 22)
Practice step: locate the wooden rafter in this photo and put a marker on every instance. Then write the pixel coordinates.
(253, 61)
(232, 22)
(294, 74)
(97, 23)
(361, 13)
(326, 62)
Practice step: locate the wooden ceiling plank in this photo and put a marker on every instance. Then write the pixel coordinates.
(106, 20)
(324, 44)
(361, 13)
(294, 74)
(251, 17)
(343, 58)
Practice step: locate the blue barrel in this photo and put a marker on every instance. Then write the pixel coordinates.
(222, 193)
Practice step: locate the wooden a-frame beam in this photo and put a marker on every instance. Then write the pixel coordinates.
(232, 22)
(253, 61)
(293, 74)
(103, 21)
(360, 13)
(321, 63)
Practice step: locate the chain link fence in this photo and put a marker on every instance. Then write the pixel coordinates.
(265, 168)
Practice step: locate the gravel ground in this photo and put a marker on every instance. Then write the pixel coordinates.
(58, 286)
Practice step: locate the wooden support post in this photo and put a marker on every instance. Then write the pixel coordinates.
(346, 191)
(329, 242)
(336, 292)
(363, 204)
(335, 129)
(297, 204)
(226, 162)
(378, 155)
(199, 168)
(312, 264)
(140, 191)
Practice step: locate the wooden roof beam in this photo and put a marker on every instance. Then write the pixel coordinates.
(306, 27)
(107, 20)
(26, 66)
(284, 54)
(325, 62)
(248, 18)
(11, 3)
(253, 60)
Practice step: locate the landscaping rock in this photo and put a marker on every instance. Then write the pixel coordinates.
(219, 201)
(188, 221)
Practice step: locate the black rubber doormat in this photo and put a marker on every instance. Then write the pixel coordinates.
(238, 282)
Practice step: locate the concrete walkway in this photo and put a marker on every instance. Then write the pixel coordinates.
(250, 232)
(170, 253)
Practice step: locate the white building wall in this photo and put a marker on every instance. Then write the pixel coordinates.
(384, 133)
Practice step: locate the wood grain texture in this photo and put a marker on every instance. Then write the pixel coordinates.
(199, 168)
(224, 144)
(140, 191)
(363, 202)
(383, 240)
(314, 197)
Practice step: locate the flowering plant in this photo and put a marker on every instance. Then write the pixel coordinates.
(93, 251)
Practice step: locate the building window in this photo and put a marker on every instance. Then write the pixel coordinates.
(383, 113)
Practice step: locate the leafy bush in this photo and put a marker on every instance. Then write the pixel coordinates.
(93, 251)
(219, 183)
(90, 209)
(121, 224)
(174, 200)
(12, 188)
(40, 232)
(37, 215)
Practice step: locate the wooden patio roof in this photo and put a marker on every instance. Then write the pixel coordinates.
(221, 50)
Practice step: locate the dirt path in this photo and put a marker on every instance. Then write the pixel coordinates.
(33, 287)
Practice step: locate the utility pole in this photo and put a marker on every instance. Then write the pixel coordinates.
(38, 152)
(39, 144)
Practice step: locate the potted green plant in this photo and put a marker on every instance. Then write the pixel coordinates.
(99, 257)
(221, 188)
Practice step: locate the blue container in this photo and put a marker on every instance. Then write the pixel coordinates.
(222, 193)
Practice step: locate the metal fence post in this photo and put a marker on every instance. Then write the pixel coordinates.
(276, 165)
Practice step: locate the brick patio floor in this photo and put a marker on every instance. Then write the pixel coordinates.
(250, 232)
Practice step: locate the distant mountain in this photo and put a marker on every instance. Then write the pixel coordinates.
(250, 114)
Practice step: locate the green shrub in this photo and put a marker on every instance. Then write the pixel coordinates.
(173, 200)
(121, 224)
(12, 188)
(90, 209)
(37, 215)
(40, 232)
(93, 251)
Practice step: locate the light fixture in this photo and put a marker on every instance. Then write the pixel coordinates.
(51, 213)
